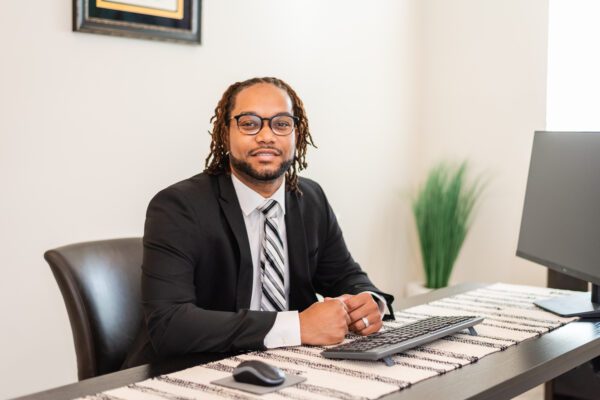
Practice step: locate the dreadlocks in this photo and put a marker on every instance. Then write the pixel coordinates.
(217, 161)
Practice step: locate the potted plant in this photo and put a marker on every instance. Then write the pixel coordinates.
(443, 211)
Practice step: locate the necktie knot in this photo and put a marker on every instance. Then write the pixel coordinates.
(269, 209)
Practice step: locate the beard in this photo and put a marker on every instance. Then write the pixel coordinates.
(265, 176)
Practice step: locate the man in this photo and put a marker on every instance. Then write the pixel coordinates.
(233, 256)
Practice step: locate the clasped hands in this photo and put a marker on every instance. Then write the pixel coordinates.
(329, 321)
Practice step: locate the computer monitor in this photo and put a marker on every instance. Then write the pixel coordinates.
(560, 226)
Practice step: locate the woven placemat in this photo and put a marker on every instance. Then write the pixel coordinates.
(510, 318)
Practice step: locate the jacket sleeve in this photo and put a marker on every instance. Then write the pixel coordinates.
(337, 273)
(175, 324)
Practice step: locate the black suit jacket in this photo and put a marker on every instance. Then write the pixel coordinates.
(197, 268)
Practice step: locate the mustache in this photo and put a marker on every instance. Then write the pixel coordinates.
(270, 148)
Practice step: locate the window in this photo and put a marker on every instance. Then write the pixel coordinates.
(573, 96)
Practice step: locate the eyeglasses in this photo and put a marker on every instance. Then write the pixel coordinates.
(251, 124)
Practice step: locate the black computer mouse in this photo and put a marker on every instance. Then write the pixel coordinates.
(259, 373)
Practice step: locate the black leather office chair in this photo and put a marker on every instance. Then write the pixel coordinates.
(100, 284)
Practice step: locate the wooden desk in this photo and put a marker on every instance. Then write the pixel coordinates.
(500, 375)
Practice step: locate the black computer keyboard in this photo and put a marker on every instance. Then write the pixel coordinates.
(384, 344)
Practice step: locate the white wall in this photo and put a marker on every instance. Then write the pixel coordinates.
(92, 126)
(483, 81)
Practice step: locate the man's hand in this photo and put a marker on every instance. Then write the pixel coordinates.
(362, 306)
(324, 323)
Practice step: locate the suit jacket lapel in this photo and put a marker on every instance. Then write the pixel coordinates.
(301, 290)
(233, 213)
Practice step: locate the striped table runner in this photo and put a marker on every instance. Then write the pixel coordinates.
(510, 318)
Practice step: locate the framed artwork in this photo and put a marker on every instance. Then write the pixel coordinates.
(171, 20)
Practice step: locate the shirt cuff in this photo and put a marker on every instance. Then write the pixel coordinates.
(381, 303)
(285, 330)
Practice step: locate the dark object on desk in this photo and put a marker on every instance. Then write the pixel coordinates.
(100, 284)
(256, 372)
(229, 382)
(560, 226)
(385, 344)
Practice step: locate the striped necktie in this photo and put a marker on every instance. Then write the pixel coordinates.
(272, 262)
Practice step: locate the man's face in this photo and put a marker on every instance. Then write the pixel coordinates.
(265, 156)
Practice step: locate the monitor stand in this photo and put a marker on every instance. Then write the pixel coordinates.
(577, 305)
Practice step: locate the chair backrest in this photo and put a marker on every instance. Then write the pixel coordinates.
(100, 284)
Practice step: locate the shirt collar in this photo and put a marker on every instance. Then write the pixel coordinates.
(249, 199)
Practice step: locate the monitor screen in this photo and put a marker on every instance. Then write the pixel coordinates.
(560, 226)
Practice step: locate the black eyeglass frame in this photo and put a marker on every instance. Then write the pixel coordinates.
(262, 122)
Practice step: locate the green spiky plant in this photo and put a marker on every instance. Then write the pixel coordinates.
(443, 211)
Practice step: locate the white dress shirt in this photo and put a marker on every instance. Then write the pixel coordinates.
(286, 330)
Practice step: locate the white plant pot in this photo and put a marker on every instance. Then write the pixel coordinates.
(415, 288)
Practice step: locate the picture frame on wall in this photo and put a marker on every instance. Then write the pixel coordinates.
(170, 20)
